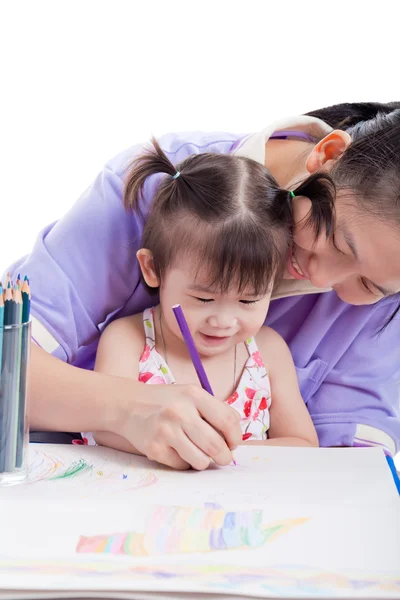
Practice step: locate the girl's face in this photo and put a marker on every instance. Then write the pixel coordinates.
(361, 261)
(217, 321)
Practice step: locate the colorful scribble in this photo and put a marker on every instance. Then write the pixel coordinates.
(178, 530)
(76, 468)
(71, 466)
(274, 580)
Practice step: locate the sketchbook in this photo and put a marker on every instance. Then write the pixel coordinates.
(91, 522)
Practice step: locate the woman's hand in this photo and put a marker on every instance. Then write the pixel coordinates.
(180, 426)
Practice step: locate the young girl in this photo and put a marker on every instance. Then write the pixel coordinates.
(216, 238)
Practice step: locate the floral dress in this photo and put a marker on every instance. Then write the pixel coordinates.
(251, 399)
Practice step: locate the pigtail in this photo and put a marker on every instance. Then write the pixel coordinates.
(149, 163)
(320, 190)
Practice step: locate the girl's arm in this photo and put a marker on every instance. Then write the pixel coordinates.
(178, 431)
(118, 354)
(290, 422)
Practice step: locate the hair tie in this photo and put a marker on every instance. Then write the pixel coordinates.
(176, 175)
(293, 195)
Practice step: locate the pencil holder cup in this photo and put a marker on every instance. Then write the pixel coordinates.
(14, 359)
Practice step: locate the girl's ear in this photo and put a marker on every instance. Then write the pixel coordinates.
(146, 262)
(328, 151)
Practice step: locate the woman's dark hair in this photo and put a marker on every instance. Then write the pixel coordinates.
(343, 116)
(224, 211)
(370, 167)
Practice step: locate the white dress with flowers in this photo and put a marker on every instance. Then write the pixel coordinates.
(251, 399)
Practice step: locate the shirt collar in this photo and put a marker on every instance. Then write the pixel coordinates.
(253, 146)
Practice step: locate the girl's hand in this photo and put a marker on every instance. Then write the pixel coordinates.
(179, 425)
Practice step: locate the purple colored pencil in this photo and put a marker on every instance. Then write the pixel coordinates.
(194, 355)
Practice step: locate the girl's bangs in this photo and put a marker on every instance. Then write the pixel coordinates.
(230, 256)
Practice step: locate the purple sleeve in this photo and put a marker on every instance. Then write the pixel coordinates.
(83, 267)
(358, 402)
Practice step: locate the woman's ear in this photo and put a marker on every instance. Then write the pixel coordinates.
(146, 262)
(328, 149)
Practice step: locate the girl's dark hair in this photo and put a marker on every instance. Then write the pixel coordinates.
(224, 211)
(370, 167)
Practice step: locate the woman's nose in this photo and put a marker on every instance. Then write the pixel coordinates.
(326, 273)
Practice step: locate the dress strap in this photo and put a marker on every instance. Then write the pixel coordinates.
(251, 346)
(148, 324)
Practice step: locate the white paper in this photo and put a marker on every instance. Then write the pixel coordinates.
(340, 509)
(357, 476)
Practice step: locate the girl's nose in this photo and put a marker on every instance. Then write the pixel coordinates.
(223, 320)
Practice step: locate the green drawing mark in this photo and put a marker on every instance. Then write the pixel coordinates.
(77, 468)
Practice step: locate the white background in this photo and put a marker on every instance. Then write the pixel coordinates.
(83, 79)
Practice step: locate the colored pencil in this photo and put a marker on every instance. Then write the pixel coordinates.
(25, 348)
(392, 467)
(13, 399)
(194, 355)
(14, 352)
(7, 374)
(1, 326)
(8, 305)
(26, 300)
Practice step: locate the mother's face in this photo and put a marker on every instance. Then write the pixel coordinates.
(361, 262)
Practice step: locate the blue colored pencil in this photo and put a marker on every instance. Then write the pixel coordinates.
(392, 467)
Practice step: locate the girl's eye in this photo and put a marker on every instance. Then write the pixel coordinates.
(205, 300)
(248, 302)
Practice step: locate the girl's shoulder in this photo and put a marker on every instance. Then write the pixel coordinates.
(271, 345)
(130, 327)
(268, 336)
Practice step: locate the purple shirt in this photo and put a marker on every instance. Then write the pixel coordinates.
(84, 274)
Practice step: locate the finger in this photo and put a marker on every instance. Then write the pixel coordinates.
(168, 456)
(190, 453)
(209, 441)
(222, 418)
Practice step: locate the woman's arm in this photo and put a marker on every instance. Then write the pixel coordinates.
(173, 424)
(290, 423)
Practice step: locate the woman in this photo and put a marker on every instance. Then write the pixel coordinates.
(337, 295)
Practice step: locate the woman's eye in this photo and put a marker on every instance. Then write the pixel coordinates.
(205, 300)
(335, 245)
(366, 287)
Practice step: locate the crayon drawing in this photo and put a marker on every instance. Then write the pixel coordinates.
(181, 530)
(70, 466)
(289, 581)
